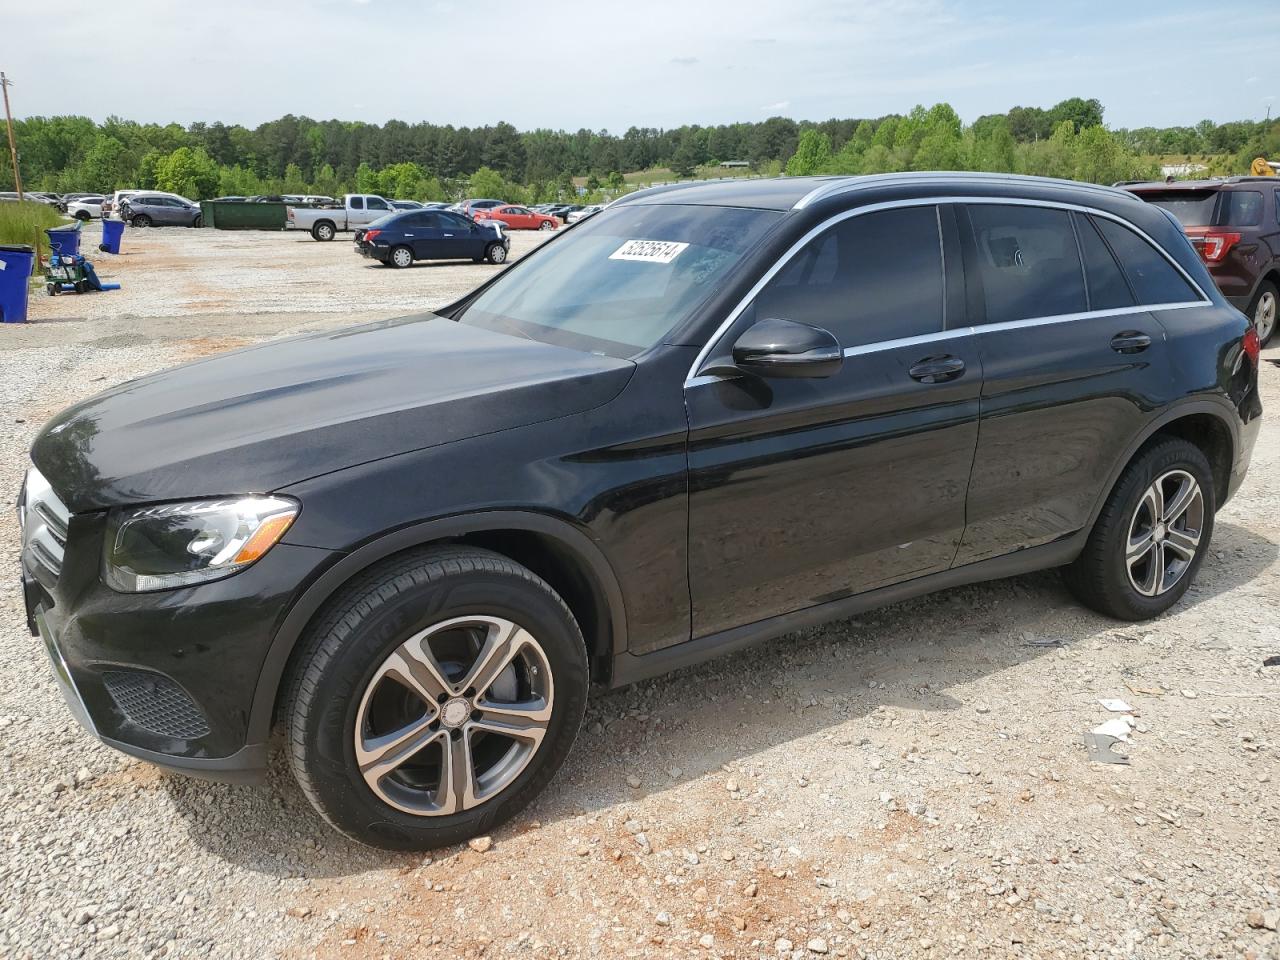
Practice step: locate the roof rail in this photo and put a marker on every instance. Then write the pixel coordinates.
(851, 184)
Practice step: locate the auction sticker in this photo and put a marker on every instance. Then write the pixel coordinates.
(649, 251)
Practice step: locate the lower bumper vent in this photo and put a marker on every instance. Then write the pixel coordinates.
(156, 703)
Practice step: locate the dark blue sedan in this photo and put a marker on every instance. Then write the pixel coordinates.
(401, 238)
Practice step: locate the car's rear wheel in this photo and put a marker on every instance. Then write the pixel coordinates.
(401, 256)
(141, 220)
(435, 698)
(324, 230)
(496, 253)
(1152, 535)
(1264, 311)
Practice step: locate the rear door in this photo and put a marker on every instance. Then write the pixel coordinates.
(808, 490)
(1073, 364)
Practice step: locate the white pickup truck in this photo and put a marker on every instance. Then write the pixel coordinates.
(357, 210)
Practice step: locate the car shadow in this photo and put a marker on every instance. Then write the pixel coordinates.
(690, 723)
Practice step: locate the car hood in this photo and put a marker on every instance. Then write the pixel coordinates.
(262, 418)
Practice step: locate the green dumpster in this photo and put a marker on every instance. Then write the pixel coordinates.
(226, 215)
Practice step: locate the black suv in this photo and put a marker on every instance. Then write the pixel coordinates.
(1234, 223)
(709, 415)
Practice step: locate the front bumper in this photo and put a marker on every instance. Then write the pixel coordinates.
(170, 676)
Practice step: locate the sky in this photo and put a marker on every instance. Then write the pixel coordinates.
(566, 64)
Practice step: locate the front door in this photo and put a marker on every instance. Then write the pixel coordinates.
(809, 490)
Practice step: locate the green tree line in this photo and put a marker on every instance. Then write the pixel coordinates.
(425, 160)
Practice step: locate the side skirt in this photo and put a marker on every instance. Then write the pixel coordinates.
(629, 668)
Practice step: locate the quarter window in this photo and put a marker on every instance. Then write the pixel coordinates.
(1243, 208)
(1153, 278)
(1108, 289)
(357, 203)
(1027, 261)
(868, 279)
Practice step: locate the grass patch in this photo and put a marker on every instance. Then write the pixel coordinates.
(26, 222)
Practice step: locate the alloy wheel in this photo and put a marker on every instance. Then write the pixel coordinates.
(1264, 317)
(454, 715)
(1164, 533)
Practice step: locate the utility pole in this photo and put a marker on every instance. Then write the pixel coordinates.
(8, 119)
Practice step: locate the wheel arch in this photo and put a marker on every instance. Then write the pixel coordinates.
(1205, 423)
(552, 548)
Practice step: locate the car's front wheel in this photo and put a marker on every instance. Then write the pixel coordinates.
(546, 225)
(435, 698)
(1152, 535)
(496, 253)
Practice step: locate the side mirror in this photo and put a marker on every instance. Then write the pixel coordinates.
(784, 348)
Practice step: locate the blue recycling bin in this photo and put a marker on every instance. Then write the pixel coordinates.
(16, 261)
(64, 240)
(112, 231)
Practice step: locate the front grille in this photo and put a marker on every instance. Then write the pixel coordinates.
(156, 703)
(44, 529)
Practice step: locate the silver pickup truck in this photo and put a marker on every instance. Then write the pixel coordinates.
(357, 210)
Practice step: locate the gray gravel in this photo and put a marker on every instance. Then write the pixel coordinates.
(908, 783)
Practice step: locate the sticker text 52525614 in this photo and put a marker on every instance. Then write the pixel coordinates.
(648, 251)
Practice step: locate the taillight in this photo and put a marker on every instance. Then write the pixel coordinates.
(1251, 345)
(369, 235)
(1213, 245)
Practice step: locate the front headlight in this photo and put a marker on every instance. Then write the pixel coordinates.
(179, 544)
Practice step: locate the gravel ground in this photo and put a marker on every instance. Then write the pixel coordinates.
(907, 783)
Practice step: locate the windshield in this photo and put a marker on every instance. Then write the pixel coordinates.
(618, 282)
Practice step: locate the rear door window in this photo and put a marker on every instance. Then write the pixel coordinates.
(357, 203)
(1108, 289)
(868, 279)
(1153, 278)
(1027, 261)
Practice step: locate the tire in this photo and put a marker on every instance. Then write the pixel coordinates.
(1263, 311)
(83, 215)
(496, 253)
(345, 689)
(51, 289)
(546, 225)
(197, 223)
(141, 220)
(1102, 578)
(401, 257)
(81, 286)
(323, 230)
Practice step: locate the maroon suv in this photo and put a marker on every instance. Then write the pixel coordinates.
(1235, 225)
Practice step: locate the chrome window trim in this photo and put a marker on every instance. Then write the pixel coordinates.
(693, 379)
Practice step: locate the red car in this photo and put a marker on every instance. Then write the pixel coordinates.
(519, 218)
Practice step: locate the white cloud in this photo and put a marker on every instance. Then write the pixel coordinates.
(774, 107)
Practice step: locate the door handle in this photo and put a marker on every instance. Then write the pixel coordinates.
(937, 369)
(1131, 341)
(450, 235)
